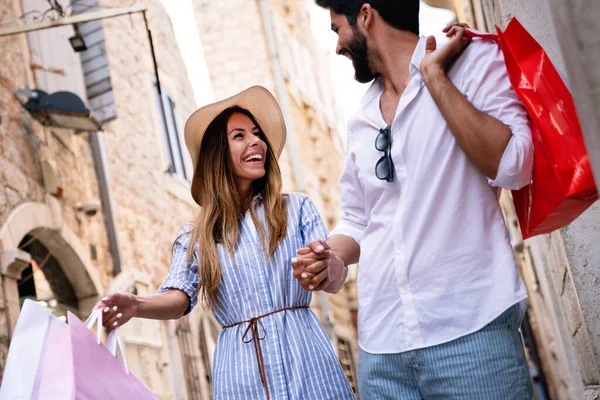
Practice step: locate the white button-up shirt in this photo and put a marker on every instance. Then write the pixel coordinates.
(436, 262)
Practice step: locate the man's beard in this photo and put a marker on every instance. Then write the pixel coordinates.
(357, 50)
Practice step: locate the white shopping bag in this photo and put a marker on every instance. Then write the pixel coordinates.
(25, 352)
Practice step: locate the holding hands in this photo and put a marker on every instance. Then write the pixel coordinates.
(317, 267)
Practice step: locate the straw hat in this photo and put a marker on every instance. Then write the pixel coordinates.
(258, 101)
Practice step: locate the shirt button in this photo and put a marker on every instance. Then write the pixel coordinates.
(403, 292)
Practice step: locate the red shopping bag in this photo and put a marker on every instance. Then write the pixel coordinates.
(562, 185)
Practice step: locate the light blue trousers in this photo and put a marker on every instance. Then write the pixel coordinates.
(488, 364)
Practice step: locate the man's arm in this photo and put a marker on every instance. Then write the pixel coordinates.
(344, 247)
(488, 121)
(345, 251)
(321, 265)
(482, 137)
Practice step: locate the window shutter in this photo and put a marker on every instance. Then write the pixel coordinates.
(164, 127)
(95, 66)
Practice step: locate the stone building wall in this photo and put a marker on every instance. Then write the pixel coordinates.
(150, 204)
(24, 145)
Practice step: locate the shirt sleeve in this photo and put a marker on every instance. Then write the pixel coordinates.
(491, 92)
(311, 223)
(353, 221)
(183, 276)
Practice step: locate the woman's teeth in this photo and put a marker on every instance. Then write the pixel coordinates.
(253, 157)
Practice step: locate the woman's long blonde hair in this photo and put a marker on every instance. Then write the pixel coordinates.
(218, 219)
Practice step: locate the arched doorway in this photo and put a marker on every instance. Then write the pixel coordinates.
(32, 233)
(38, 227)
(45, 281)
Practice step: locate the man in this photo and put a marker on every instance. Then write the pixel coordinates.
(438, 134)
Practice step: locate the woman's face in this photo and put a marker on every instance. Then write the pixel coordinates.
(247, 151)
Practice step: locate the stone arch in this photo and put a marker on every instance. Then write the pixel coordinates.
(44, 222)
(125, 281)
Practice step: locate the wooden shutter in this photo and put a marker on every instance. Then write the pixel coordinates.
(94, 63)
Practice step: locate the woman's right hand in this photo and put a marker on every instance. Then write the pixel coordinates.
(118, 309)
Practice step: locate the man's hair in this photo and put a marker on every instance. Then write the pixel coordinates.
(401, 14)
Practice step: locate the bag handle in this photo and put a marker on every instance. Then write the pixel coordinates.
(484, 35)
(113, 341)
(96, 317)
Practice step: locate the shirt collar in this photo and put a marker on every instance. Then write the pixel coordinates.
(418, 55)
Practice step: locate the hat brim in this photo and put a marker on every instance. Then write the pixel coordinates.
(258, 101)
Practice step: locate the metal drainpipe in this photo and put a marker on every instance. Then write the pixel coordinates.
(291, 135)
(99, 155)
(282, 97)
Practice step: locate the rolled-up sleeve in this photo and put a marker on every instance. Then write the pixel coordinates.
(183, 275)
(491, 92)
(352, 221)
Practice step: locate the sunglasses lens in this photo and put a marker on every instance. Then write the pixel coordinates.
(382, 169)
(381, 142)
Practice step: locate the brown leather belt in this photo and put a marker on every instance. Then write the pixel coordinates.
(252, 329)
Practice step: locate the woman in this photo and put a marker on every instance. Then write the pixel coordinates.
(237, 257)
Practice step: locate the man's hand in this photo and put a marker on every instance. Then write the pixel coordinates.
(439, 60)
(318, 268)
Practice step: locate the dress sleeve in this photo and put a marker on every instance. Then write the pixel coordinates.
(183, 276)
(311, 223)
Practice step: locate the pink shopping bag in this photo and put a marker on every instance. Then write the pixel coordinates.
(98, 375)
(49, 359)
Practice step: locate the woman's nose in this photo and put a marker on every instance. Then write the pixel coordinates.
(253, 141)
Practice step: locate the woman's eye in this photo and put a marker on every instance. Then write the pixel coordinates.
(238, 135)
(258, 133)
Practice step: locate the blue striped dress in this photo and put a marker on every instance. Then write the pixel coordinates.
(299, 360)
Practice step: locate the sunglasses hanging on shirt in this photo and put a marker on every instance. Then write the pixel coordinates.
(384, 169)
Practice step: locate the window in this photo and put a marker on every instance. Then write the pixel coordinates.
(171, 136)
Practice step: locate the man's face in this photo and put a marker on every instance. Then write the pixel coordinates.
(352, 44)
